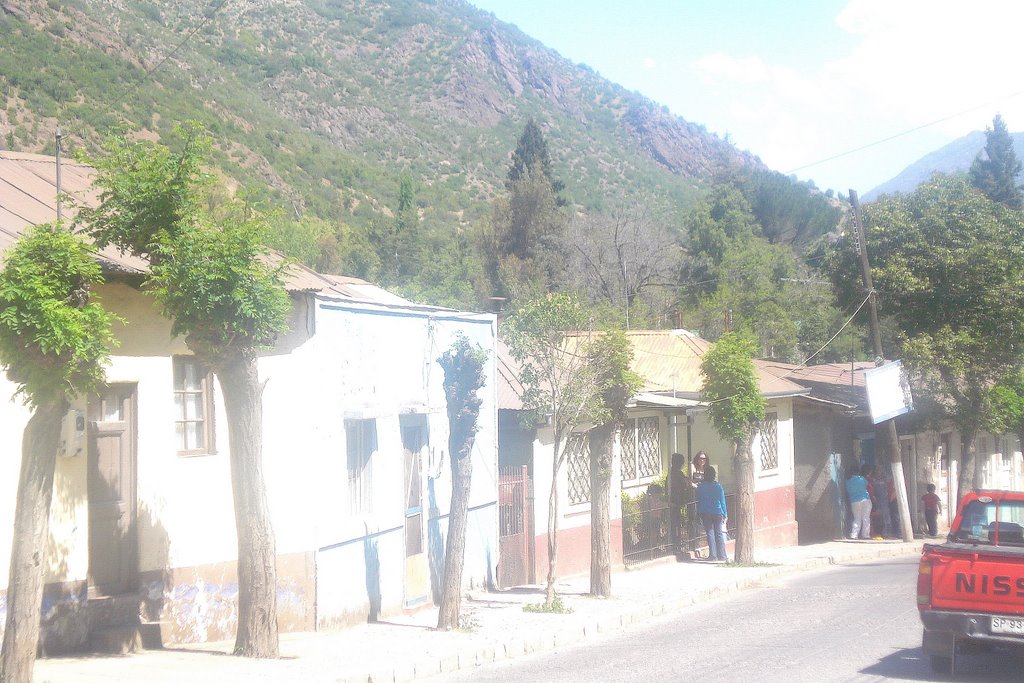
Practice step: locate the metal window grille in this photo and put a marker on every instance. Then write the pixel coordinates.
(579, 468)
(648, 447)
(628, 450)
(769, 429)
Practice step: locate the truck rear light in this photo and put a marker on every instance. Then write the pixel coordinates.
(924, 584)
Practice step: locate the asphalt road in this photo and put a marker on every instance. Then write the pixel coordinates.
(854, 622)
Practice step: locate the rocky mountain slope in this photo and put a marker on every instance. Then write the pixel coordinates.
(329, 102)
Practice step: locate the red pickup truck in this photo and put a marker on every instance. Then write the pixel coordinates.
(970, 589)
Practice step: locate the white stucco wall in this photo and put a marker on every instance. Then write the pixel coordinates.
(381, 363)
(336, 362)
(720, 452)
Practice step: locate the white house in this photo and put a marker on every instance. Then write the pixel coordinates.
(142, 533)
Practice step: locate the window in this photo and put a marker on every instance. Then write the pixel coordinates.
(769, 432)
(361, 443)
(577, 448)
(193, 407)
(641, 449)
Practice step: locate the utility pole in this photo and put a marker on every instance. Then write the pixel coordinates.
(58, 174)
(892, 441)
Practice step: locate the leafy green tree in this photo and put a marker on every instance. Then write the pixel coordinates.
(546, 336)
(213, 278)
(716, 222)
(947, 261)
(611, 355)
(995, 173)
(464, 376)
(1007, 401)
(523, 245)
(54, 344)
(735, 408)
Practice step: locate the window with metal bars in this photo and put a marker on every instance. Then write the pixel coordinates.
(769, 433)
(578, 456)
(641, 448)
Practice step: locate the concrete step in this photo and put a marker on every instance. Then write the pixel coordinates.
(115, 640)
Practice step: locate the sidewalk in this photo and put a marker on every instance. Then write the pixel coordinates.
(496, 627)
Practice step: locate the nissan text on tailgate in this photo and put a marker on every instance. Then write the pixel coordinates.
(970, 589)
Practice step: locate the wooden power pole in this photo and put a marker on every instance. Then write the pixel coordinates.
(888, 428)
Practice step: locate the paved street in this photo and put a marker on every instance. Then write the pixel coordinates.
(852, 622)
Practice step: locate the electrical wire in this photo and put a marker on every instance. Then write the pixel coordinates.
(805, 361)
(906, 132)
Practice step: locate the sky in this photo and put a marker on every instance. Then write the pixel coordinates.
(846, 93)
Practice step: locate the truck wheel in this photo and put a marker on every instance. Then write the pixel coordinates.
(942, 665)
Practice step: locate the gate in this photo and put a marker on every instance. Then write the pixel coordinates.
(513, 527)
(647, 531)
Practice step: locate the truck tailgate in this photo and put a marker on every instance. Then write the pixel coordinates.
(977, 578)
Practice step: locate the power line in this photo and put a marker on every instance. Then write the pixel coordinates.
(132, 89)
(906, 132)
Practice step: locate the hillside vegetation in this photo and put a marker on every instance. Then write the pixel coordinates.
(382, 131)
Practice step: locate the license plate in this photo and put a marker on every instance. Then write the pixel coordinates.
(1005, 625)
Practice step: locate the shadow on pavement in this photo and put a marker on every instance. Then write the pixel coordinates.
(914, 665)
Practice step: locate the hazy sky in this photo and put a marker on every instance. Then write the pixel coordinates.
(799, 82)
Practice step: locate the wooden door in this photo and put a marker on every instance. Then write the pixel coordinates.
(111, 485)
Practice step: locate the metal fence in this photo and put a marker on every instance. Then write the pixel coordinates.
(647, 530)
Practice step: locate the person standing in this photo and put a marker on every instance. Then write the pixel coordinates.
(700, 461)
(713, 513)
(860, 502)
(932, 507)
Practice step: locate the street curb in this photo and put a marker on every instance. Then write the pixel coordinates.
(632, 614)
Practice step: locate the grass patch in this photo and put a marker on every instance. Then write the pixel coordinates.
(731, 564)
(556, 607)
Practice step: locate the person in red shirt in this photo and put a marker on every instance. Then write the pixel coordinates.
(932, 507)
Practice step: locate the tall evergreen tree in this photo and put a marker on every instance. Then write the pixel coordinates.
(532, 151)
(995, 171)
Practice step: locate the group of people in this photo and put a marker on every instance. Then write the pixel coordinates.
(875, 508)
(702, 484)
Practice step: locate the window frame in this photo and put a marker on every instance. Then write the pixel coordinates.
(205, 390)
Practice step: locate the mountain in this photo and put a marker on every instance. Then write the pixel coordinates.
(956, 157)
(328, 103)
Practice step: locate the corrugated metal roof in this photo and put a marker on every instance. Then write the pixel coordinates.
(28, 196)
(850, 374)
(669, 363)
(509, 388)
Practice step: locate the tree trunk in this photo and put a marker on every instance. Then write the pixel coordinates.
(31, 528)
(601, 442)
(257, 552)
(744, 552)
(461, 448)
(966, 477)
(549, 590)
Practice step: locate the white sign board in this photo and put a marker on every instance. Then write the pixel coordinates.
(888, 392)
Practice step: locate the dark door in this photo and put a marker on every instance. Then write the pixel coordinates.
(112, 508)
